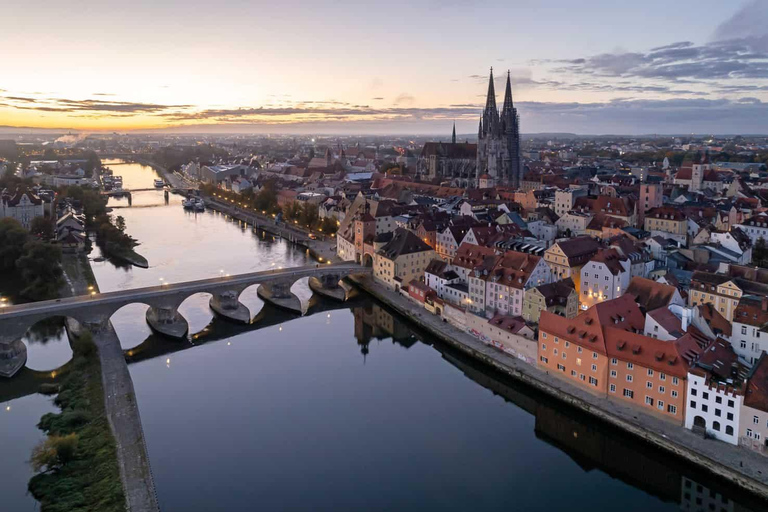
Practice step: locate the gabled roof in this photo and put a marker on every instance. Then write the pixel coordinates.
(470, 256)
(611, 258)
(403, 242)
(557, 293)
(650, 294)
(578, 250)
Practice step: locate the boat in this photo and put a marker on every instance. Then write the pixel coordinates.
(199, 205)
(188, 204)
(159, 183)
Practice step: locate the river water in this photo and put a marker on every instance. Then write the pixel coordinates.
(345, 408)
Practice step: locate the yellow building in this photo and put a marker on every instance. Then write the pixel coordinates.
(566, 258)
(668, 222)
(721, 291)
(402, 259)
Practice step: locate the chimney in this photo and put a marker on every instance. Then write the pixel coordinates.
(765, 304)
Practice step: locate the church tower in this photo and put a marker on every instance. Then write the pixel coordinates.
(498, 138)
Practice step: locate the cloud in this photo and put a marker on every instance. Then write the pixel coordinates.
(404, 98)
(749, 22)
(86, 107)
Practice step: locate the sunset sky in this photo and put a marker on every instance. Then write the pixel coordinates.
(595, 66)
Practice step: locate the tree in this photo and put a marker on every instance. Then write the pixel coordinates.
(760, 253)
(309, 215)
(54, 452)
(40, 267)
(50, 154)
(12, 239)
(42, 227)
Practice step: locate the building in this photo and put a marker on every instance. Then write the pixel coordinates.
(573, 223)
(604, 277)
(498, 139)
(750, 328)
(559, 298)
(601, 350)
(722, 291)
(716, 392)
(439, 276)
(455, 161)
(504, 279)
(565, 199)
(508, 333)
(651, 295)
(753, 422)
(651, 196)
(23, 206)
(216, 174)
(756, 227)
(401, 260)
(449, 239)
(668, 222)
(566, 258)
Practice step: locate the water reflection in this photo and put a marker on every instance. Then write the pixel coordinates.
(48, 345)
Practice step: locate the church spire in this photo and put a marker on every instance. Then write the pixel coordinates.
(453, 137)
(508, 105)
(490, 102)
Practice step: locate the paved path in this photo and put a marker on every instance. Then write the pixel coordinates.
(123, 415)
(742, 467)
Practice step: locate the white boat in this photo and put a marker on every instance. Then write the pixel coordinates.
(188, 204)
(199, 205)
(159, 183)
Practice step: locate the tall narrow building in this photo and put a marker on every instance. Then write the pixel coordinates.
(498, 139)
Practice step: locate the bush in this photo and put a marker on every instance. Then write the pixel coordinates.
(84, 346)
(54, 452)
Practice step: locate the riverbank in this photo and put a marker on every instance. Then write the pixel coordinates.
(85, 477)
(126, 256)
(77, 274)
(742, 468)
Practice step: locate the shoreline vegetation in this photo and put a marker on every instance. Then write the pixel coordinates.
(110, 231)
(76, 465)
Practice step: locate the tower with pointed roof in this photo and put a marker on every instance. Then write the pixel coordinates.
(498, 138)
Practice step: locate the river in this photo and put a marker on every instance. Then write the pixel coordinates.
(345, 408)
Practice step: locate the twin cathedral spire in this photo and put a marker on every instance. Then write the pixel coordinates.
(498, 138)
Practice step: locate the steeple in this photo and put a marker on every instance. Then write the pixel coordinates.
(480, 129)
(453, 137)
(490, 102)
(508, 105)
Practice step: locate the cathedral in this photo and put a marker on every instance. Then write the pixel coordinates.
(498, 139)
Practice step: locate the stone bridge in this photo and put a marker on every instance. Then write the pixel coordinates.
(94, 311)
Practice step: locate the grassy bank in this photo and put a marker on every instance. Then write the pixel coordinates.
(77, 463)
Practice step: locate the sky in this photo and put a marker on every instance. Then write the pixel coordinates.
(411, 67)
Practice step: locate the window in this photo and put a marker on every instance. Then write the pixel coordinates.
(573, 373)
(716, 426)
(613, 388)
(594, 367)
(567, 344)
(660, 405)
(578, 361)
(662, 376)
(743, 329)
(544, 359)
(629, 393)
(729, 430)
(579, 350)
(730, 403)
(543, 346)
(705, 395)
(594, 355)
(563, 354)
(630, 366)
(704, 407)
(718, 413)
(674, 394)
(629, 378)
(649, 385)
(672, 409)
(544, 335)
(718, 399)
(755, 420)
(593, 381)
(561, 367)
(648, 400)
(693, 390)
(613, 373)
(650, 372)
(555, 351)
(692, 405)
(729, 416)
(614, 361)
(675, 381)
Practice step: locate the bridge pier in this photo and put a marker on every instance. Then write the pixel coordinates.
(227, 305)
(167, 321)
(279, 294)
(13, 357)
(328, 286)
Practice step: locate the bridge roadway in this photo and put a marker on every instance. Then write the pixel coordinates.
(164, 300)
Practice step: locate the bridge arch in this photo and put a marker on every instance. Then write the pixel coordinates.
(130, 325)
(368, 259)
(196, 309)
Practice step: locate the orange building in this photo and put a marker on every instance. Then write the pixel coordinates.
(604, 351)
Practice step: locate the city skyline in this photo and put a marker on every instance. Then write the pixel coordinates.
(303, 68)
